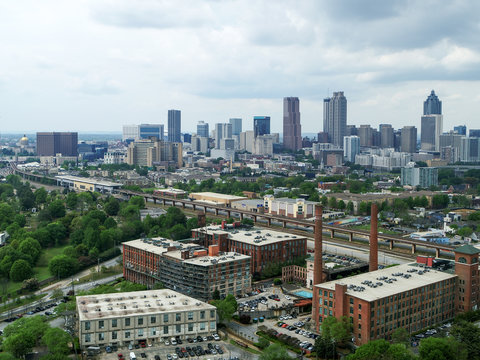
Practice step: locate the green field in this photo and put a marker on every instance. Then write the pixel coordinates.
(380, 230)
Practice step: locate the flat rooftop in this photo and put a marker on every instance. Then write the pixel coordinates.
(254, 236)
(159, 245)
(87, 180)
(222, 258)
(294, 201)
(137, 303)
(218, 196)
(367, 286)
(380, 196)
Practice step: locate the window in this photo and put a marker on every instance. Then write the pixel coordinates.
(87, 325)
(165, 329)
(153, 331)
(212, 313)
(351, 300)
(202, 326)
(127, 334)
(101, 324)
(178, 317)
(140, 321)
(359, 306)
(190, 327)
(114, 335)
(212, 325)
(88, 338)
(153, 319)
(140, 332)
(101, 336)
(127, 322)
(114, 323)
(178, 328)
(202, 314)
(165, 318)
(190, 315)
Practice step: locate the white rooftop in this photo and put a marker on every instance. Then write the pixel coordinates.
(136, 303)
(218, 195)
(252, 236)
(209, 260)
(414, 276)
(158, 245)
(88, 180)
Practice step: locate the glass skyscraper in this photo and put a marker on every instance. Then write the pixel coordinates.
(292, 129)
(202, 129)
(335, 118)
(261, 125)
(236, 126)
(174, 125)
(432, 106)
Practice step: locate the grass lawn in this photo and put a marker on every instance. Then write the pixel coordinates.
(380, 230)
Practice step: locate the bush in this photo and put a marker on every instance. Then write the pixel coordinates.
(277, 282)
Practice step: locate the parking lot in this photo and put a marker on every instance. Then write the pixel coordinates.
(201, 350)
(270, 298)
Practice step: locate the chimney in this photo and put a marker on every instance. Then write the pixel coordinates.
(373, 238)
(318, 266)
(213, 250)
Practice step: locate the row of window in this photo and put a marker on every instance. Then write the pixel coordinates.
(153, 319)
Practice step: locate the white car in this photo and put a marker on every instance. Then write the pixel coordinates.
(287, 297)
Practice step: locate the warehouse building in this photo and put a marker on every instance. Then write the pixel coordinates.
(76, 183)
(263, 246)
(293, 208)
(143, 316)
(215, 198)
(188, 268)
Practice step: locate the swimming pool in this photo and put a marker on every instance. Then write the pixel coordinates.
(304, 294)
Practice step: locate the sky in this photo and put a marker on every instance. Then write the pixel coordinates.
(95, 65)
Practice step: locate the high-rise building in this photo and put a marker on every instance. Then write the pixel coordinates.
(474, 133)
(222, 132)
(423, 177)
(432, 106)
(386, 136)
(247, 141)
(174, 125)
(292, 129)
(409, 139)
(155, 152)
(460, 129)
(432, 126)
(351, 147)
(236, 125)
(351, 130)
(147, 131)
(202, 129)
(53, 143)
(261, 125)
(130, 132)
(397, 139)
(365, 133)
(335, 117)
(470, 149)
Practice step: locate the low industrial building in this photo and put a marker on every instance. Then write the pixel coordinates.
(263, 246)
(215, 198)
(253, 205)
(171, 192)
(77, 183)
(142, 316)
(293, 208)
(188, 268)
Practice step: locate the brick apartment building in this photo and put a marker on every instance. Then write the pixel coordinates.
(187, 268)
(412, 296)
(263, 246)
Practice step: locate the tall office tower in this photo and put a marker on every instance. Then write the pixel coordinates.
(432, 126)
(130, 132)
(470, 149)
(474, 133)
(432, 106)
(261, 125)
(351, 130)
(351, 147)
(335, 118)
(409, 139)
(147, 131)
(222, 132)
(202, 129)
(386, 136)
(450, 144)
(365, 133)
(174, 125)
(376, 138)
(460, 129)
(322, 137)
(236, 125)
(397, 139)
(53, 143)
(292, 130)
(247, 141)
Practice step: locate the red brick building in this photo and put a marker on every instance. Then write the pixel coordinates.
(263, 246)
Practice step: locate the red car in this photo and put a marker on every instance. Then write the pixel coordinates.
(120, 356)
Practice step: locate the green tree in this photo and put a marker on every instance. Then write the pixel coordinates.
(468, 335)
(57, 342)
(400, 336)
(440, 201)
(332, 203)
(441, 349)
(363, 208)
(71, 200)
(41, 195)
(62, 266)
(350, 207)
(341, 205)
(381, 350)
(226, 307)
(112, 206)
(30, 247)
(216, 295)
(56, 209)
(23, 334)
(262, 343)
(21, 270)
(275, 352)
(338, 330)
(325, 348)
(465, 231)
(324, 200)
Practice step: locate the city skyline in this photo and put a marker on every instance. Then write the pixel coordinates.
(117, 71)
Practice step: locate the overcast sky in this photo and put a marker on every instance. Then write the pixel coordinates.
(96, 65)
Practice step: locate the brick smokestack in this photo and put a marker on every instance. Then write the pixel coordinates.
(317, 263)
(318, 266)
(373, 238)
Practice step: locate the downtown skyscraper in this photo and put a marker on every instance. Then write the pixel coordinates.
(174, 125)
(432, 106)
(335, 118)
(432, 123)
(292, 129)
